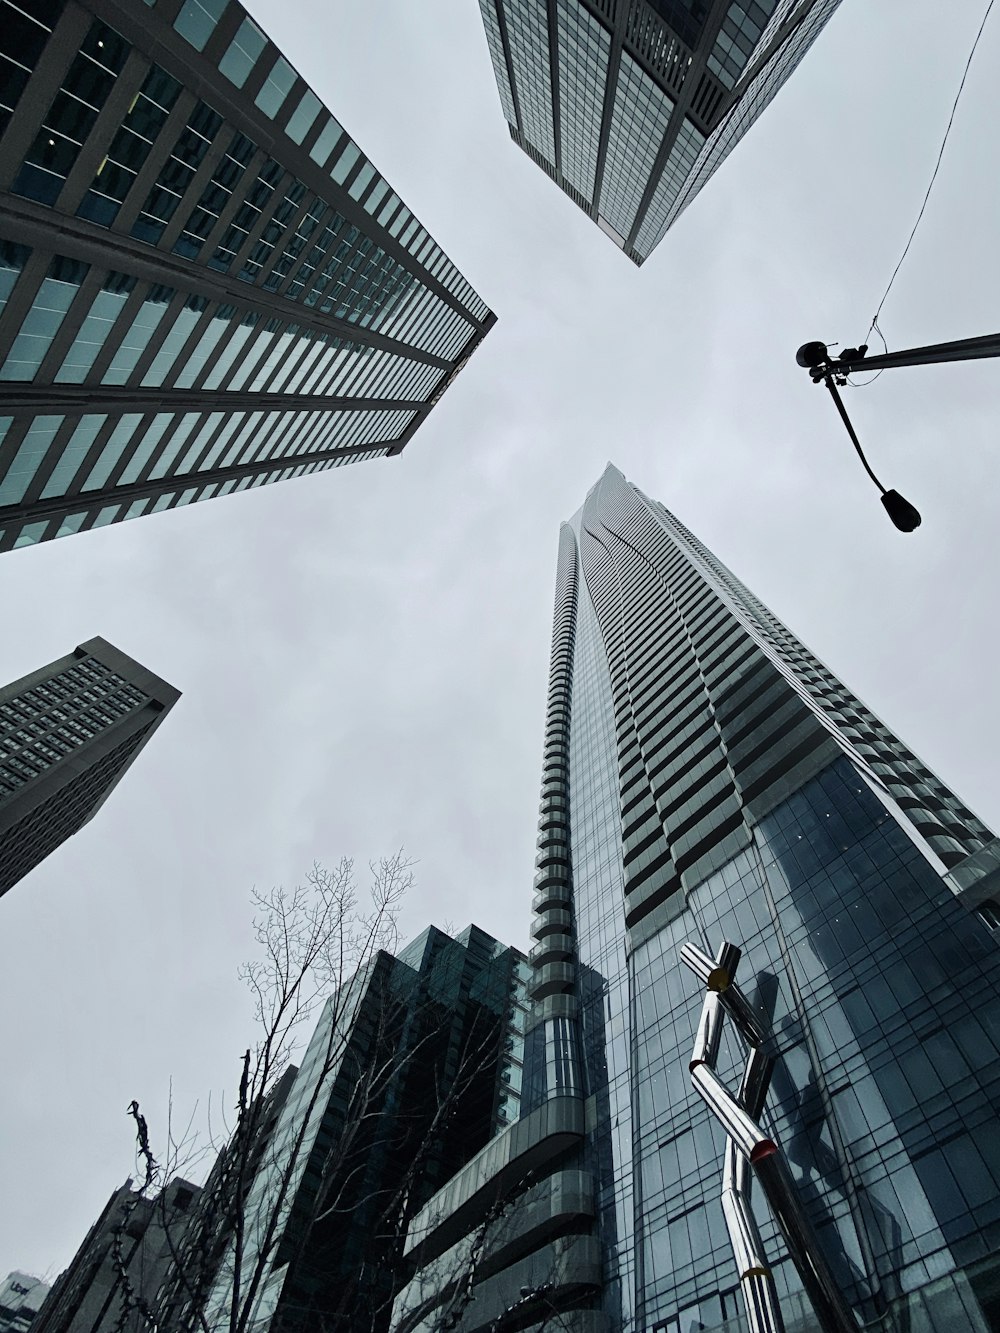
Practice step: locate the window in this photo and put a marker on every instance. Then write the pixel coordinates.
(244, 52)
(42, 322)
(303, 117)
(197, 20)
(276, 88)
(105, 309)
(989, 913)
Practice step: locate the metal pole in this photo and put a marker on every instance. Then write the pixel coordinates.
(960, 349)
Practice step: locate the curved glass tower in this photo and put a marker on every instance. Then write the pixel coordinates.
(707, 779)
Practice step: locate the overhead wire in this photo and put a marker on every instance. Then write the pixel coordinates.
(874, 326)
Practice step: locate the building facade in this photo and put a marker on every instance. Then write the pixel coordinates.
(706, 779)
(116, 1273)
(413, 1066)
(21, 1297)
(68, 732)
(205, 285)
(631, 105)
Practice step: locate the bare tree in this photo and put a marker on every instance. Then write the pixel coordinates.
(351, 1143)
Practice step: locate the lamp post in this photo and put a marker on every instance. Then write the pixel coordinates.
(824, 369)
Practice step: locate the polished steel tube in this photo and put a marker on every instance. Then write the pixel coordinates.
(706, 1042)
(776, 1181)
(747, 1146)
(746, 1133)
(755, 1083)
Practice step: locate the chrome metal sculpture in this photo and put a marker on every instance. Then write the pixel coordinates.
(749, 1148)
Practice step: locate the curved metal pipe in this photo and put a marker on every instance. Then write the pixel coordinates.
(747, 1146)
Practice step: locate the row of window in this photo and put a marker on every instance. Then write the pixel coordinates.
(196, 22)
(71, 117)
(98, 515)
(200, 343)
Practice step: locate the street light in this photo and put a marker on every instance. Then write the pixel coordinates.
(823, 369)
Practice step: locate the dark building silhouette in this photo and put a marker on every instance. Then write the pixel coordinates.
(205, 285)
(706, 779)
(68, 732)
(631, 105)
(428, 1073)
(90, 1296)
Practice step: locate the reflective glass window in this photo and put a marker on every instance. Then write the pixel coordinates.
(345, 163)
(72, 523)
(376, 196)
(28, 536)
(361, 181)
(275, 88)
(12, 260)
(197, 21)
(323, 146)
(197, 445)
(244, 52)
(130, 147)
(111, 454)
(145, 447)
(137, 338)
(177, 173)
(231, 351)
(75, 450)
(195, 363)
(164, 359)
(303, 117)
(70, 118)
(173, 445)
(106, 515)
(42, 322)
(25, 463)
(104, 311)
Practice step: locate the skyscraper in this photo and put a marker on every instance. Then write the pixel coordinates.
(68, 732)
(413, 1066)
(631, 105)
(205, 285)
(706, 779)
(121, 1263)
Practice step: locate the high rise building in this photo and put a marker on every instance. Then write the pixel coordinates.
(631, 105)
(706, 779)
(116, 1272)
(413, 1066)
(68, 732)
(21, 1297)
(205, 285)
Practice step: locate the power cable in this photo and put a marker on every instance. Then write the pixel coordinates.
(930, 187)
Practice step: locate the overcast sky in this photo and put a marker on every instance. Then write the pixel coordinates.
(363, 654)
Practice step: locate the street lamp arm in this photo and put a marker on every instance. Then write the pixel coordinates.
(817, 360)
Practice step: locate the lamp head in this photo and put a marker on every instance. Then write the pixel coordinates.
(900, 511)
(811, 355)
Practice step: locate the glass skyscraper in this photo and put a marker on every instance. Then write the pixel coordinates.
(707, 779)
(435, 1036)
(68, 732)
(631, 105)
(205, 285)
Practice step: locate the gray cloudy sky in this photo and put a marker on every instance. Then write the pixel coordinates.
(363, 653)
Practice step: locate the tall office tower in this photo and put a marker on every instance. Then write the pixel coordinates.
(121, 1263)
(207, 284)
(631, 105)
(414, 1065)
(707, 779)
(21, 1297)
(68, 732)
